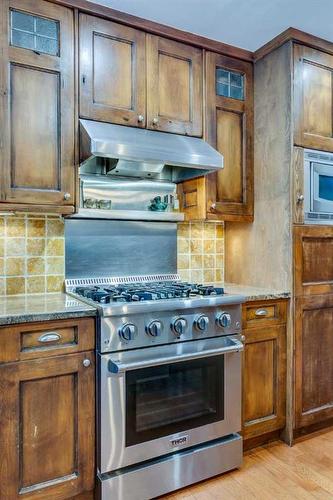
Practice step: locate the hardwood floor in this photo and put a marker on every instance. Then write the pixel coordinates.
(275, 471)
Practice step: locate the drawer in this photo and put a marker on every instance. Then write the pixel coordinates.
(43, 339)
(264, 313)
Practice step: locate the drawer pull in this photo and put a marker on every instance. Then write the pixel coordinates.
(261, 312)
(49, 337)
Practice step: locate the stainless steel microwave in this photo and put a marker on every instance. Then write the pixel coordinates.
(318, 187)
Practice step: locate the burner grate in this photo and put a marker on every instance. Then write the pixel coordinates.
(71, 284)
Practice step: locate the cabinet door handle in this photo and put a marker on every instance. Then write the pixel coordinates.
(67, 196)
(49, 337)
(261, 312)
(155, 121)
(141, 118)
(86, 363)
(84, 79)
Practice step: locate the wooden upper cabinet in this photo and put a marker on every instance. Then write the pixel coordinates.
(313, 98)
(174, 87)
(228, 194)
(47, 427)
(112, 72)
(37, 105)
(229, 124)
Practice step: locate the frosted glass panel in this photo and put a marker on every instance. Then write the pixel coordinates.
(35, 33)
(229, 84)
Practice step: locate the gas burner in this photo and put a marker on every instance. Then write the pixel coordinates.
(139, 292)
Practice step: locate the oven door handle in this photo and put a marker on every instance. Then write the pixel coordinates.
(117, 366)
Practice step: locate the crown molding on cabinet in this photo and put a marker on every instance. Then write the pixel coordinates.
(157, 28)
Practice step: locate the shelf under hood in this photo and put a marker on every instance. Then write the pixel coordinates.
(144, 153)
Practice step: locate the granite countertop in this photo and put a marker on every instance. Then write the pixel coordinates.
(41, 307)
(252, 293)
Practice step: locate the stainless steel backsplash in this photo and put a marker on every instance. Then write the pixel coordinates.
(96, 248)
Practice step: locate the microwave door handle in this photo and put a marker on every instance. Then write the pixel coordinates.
(117, 367)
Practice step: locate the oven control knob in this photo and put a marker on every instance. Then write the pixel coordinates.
(224, 320)
(128, 332)
(202, 322)
(179, 326)
(154, 329)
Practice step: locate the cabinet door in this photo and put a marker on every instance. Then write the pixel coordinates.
(229, 124)
(313, 98)
(264, 380)
(47, 428)
(112, 72)
(174, 87)
(37, 118)
(313, 260)
(313, 360)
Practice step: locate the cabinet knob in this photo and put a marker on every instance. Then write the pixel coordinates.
(67, 196)
(141, 118)
(86, 363)
(213, 206)
(300, 198)
(155, 121)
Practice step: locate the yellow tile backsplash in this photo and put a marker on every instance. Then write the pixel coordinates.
(201, 251)
(32, 253)
(32, 250)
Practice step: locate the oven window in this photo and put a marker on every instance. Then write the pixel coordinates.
(173, 398)
(326, 187)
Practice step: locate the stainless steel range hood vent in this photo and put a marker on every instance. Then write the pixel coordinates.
(133, 152)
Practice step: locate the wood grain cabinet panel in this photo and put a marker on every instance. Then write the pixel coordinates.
(174, 87)
(228, 194)
(313, 260)
(264, 380)
(37, 109)
(45, 339)
(112, 72)
(313, 98)
(229, 123)
(313, 360)
(47, 427)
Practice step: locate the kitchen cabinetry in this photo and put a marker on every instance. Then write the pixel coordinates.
(313, 360)
(47, 422)
(228, 194)
(174, 87)
(313, 98)
(112, 72)
(264, 368)
(118, 63)
(37, 106)
(313, 261)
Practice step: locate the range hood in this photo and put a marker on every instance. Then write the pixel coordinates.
(132, 152)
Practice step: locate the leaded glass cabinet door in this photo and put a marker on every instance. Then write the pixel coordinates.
(37, 73)
(229, 113)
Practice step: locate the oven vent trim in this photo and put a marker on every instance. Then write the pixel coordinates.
(72, 283)
(310, 154)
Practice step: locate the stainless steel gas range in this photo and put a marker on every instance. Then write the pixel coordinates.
(169, 362)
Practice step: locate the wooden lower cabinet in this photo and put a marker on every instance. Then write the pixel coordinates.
(47, 427)
(264, 379)
(313, 360)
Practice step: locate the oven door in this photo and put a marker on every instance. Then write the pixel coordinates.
(160, 399)
(322, 188)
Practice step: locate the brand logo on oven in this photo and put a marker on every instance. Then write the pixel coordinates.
(179, 441)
